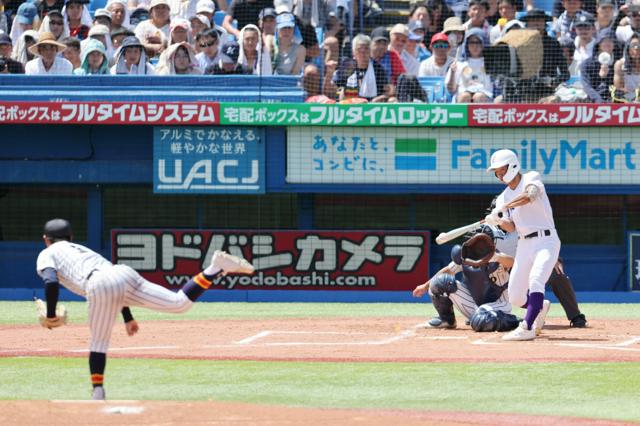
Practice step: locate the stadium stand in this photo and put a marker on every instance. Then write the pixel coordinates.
(240, 88)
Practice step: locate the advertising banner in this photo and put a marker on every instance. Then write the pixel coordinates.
(633, 249)
(284, 260)
(110, 112)
(421, 115)
(460, 156)
(554, 115)
(208, 160)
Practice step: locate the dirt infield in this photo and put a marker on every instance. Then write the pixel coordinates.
(307, 339)
(111, 413)
(333, 339)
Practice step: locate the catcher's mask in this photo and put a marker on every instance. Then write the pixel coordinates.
(478, 250)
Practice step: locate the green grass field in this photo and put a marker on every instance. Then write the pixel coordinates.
(593, 390)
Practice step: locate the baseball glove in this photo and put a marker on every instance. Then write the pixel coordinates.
(478, 250)
(58, 321)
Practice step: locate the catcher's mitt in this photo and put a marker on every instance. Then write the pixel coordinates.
(58, 321)
(478, 250)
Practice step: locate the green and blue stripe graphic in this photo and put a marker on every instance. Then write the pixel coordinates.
(410, 154)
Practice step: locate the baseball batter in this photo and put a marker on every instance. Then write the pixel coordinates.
(481, 296)
(526, 210)
(559, 280)
(110, 289)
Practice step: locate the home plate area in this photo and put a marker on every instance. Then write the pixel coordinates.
(395, 339)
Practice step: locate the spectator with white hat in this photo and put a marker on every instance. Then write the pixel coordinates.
(103, 17)
(207, 8)
(119, 14)
(198, 23)
(154, 33)
(399, 35)
(48, 62)
(101, 33)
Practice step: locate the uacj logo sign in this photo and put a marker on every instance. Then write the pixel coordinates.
(207, 160)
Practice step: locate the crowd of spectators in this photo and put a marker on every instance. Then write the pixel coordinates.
(592, 45)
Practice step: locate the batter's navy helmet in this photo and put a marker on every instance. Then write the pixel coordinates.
(57, 229)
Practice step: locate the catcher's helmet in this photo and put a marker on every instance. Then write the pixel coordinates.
(505, 157)
(58, 229)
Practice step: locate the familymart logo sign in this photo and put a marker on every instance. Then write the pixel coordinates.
(416, 154)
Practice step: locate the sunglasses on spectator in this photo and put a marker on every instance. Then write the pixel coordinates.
(634, 46)
(440, 46)
(635, 14)
(56, 23)
(208, 44)
(474, 42)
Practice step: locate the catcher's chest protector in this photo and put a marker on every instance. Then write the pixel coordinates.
(481, 286)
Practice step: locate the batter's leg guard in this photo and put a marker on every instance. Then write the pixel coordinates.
(563, 289)
(446, 317)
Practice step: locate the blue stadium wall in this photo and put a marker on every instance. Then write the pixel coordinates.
(94, 155)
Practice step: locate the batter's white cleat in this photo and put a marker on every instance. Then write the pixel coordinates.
(520, 333)
(98, 394)
(539, 322)
(231, 264)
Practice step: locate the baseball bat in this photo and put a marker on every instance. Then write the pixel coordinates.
(457, 232)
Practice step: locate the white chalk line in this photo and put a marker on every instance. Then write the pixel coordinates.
(91, 401)
(622, 346)
(130, 348)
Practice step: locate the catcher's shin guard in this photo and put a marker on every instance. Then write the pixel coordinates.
(444, 307)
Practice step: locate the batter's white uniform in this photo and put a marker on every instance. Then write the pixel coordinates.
(107, 287)
(463, 300)
(538, 243)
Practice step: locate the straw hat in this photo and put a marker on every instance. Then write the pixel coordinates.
(46, 38)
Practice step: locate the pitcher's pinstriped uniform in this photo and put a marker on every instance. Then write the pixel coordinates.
(110, 289)
(107, 288)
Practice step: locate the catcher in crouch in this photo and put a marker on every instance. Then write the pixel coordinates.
(481, 296)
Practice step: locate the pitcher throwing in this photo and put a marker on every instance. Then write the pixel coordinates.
(111, 289)
(526, 209)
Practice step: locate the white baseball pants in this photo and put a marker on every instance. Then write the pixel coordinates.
(535, 259)
(110, 289)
